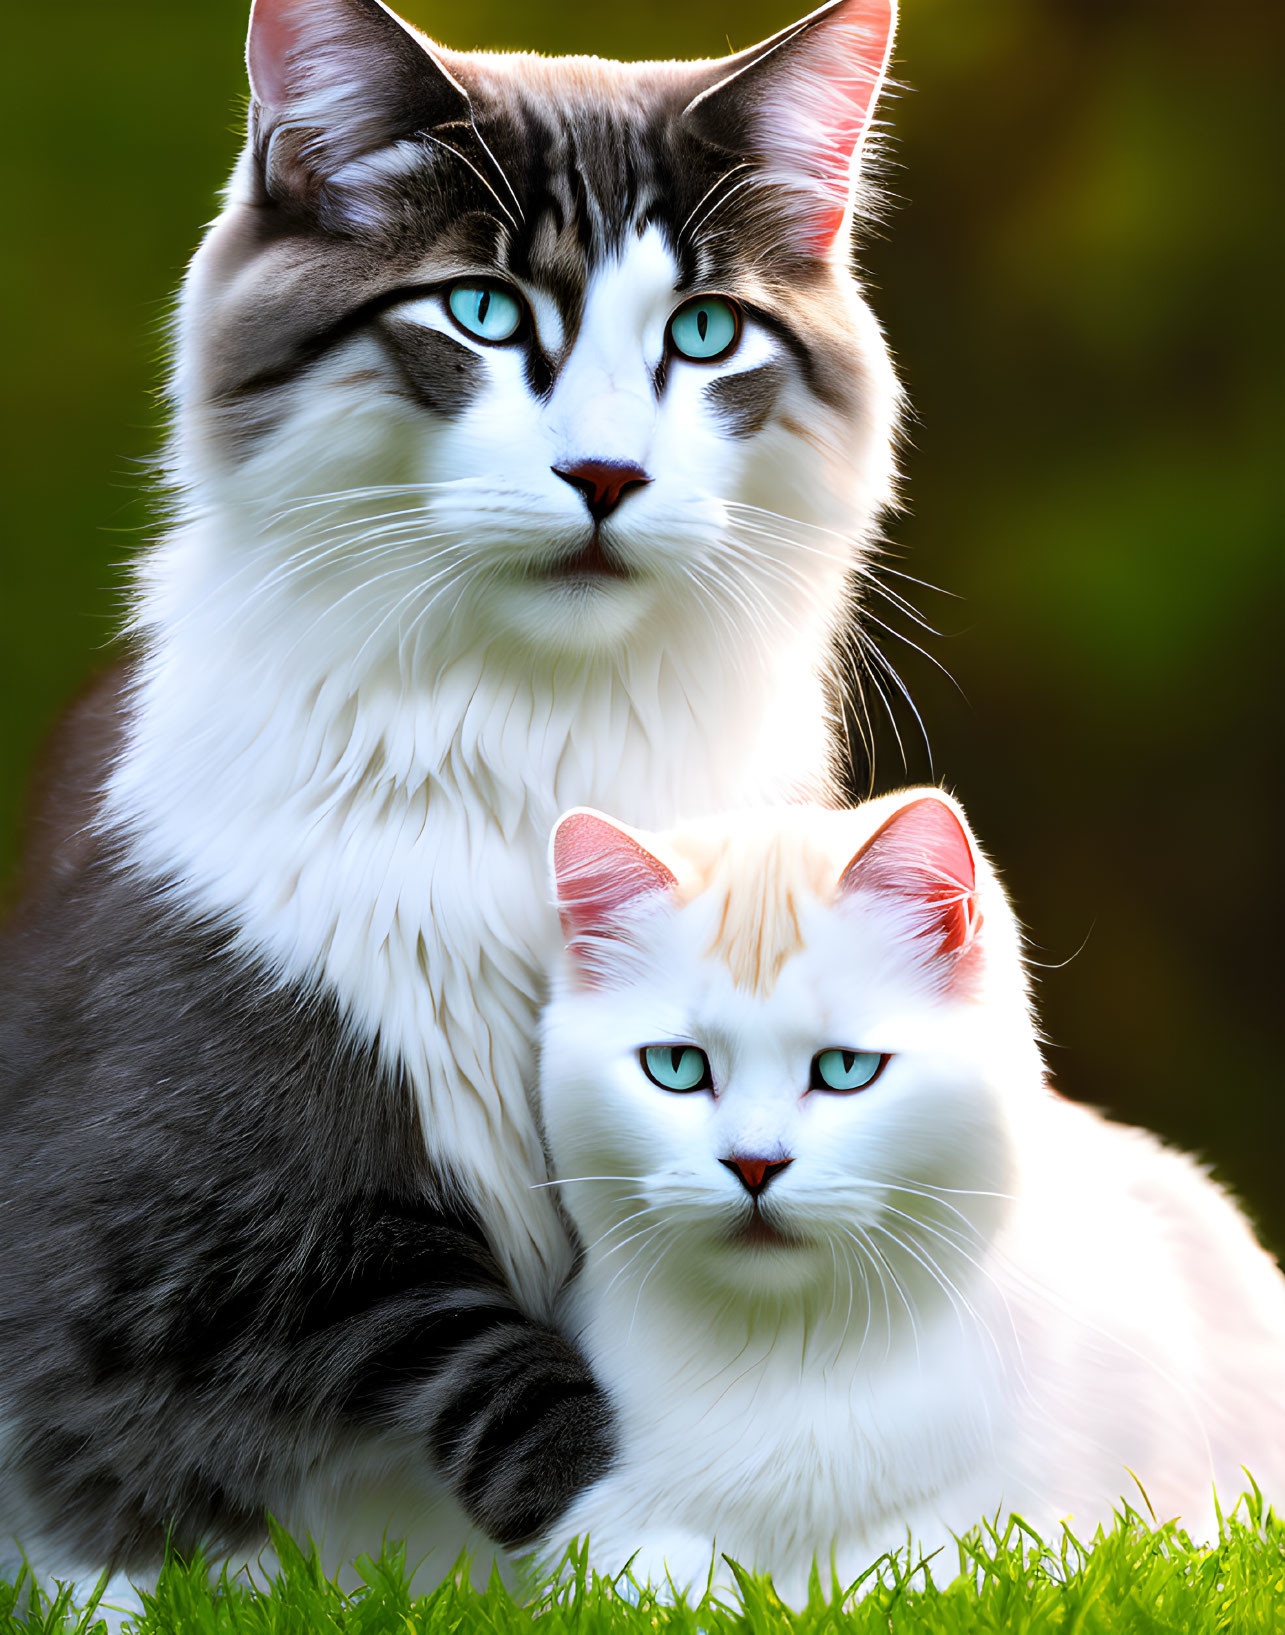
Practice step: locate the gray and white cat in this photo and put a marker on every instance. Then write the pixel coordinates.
(529, 427)
(852, 1271)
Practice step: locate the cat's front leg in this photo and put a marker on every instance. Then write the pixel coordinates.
(517, 1425)
(201, 1328)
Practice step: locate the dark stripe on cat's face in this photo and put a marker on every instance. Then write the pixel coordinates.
(745, 402)
(441, 372)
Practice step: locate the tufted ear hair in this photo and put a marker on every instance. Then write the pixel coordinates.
(600, 872)
(333, 81)
(800, 104)
(922, 856)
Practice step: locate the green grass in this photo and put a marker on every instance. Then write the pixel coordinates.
(1137, 1578)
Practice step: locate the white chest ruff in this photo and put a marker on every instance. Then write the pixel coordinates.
(778, 1459)
(390, 847)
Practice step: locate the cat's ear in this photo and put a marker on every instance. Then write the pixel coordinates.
(923, 857)
(600, 872)
(800, 104)
(333, 81)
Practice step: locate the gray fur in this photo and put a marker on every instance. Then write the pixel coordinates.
(441, 374)
(225, 1253)
(746, 401)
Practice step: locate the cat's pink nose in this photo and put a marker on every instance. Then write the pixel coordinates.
(755, 1174)
(602, 483)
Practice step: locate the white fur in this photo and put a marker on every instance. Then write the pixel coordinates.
(1005, 1303)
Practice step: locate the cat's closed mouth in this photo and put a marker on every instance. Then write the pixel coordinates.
(759, 1233)
(592, 561)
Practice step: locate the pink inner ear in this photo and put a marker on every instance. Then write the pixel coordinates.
(852, 61)
(274, 34)
(818, 107)
(599, 870)
(923, 856)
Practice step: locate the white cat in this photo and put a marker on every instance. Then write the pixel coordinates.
(852, 1271)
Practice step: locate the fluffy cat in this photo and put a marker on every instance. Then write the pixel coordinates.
(529, 427)
(852, 1270)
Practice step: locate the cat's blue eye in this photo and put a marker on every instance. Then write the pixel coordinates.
(705, 329)
(677, 1067)
(485, 311)
(845, 1069)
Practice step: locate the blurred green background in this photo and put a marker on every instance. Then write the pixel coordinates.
(1079, 281)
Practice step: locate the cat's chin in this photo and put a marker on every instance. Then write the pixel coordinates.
(574, 607)
(759, 1257)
